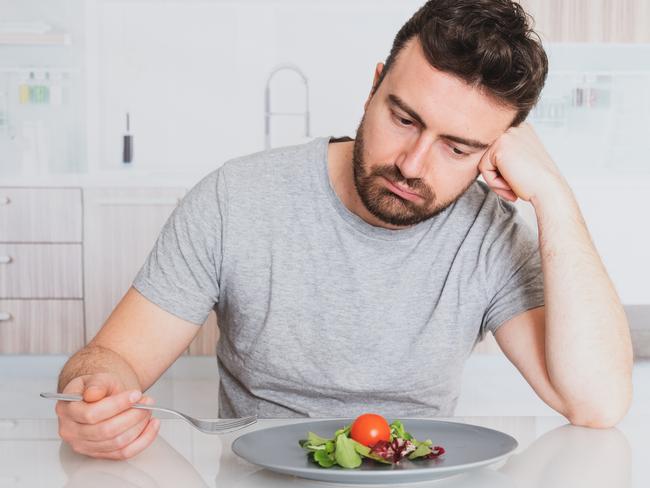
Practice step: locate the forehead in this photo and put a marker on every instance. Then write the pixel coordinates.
(444, 101)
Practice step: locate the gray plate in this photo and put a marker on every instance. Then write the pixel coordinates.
(467, 447)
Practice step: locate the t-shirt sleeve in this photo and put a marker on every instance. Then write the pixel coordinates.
(513, 269)
(181, 273)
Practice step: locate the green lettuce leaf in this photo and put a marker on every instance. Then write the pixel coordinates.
(345, 453)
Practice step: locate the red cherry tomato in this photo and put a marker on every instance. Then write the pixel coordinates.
(370, 428)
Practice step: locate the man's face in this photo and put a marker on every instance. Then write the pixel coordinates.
(421, 138)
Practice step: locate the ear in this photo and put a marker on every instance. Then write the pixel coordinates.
(378, 69)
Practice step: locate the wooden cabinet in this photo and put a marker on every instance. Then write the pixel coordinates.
(40, 215)
(68, 255)
(120, 228)
(205, 342)
(41, 326)
(41, 294)
(41, 271)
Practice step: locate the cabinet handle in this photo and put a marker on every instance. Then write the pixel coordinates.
(5, 259)
(5, 316)
(5, 200)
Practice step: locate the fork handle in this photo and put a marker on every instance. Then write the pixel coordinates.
(67, 397)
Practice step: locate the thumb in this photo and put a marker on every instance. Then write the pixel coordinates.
(99, 386)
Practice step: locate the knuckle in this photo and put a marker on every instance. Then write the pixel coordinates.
(122, 454)
(105, 431)
(121, 441)
(88, 416)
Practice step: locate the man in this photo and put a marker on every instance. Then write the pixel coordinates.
(358, 275)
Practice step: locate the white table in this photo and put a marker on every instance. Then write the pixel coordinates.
(551, 454)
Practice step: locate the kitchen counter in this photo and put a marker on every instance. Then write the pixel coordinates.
(123, 177)
(551, 453)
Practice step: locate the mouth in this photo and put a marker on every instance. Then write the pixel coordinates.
(401, 192)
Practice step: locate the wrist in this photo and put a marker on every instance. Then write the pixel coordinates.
(555, 193)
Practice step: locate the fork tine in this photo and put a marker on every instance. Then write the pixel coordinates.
(230, 422)
(233, 423)
(229, 425)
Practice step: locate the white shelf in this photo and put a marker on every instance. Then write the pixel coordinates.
(39, 69)
(30, 39)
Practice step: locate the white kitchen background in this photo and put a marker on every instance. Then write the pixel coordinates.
(193, 75)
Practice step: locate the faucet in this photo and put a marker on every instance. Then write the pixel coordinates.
(267, 102)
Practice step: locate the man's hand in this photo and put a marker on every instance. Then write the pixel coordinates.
(104, 425)
(516, 165)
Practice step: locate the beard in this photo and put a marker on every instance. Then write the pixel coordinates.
(383, 203)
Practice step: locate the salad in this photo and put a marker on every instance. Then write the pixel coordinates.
(369, 436)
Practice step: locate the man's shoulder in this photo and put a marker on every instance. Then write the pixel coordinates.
(270, 164)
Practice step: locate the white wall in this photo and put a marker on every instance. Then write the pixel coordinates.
(192, 75)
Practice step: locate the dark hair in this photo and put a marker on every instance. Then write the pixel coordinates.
(484, 42)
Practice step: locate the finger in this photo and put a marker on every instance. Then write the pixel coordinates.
(508, 195)
(74, 387)
(115, 426)
(99, 386)
(493, 178)
(145, 439)
(118, 442)
(499, 183)
(93, 413)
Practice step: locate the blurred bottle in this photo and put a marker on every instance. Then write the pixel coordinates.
(33, 88)
(23, 90)
(39, 91)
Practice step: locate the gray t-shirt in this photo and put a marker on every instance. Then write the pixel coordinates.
(324, 315)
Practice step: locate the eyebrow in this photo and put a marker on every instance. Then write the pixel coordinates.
(398, 102)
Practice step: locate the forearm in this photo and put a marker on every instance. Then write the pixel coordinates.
(588, 346)
(97, 359)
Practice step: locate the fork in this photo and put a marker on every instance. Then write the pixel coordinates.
(206, 426)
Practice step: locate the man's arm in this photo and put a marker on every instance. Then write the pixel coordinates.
(587, 349)
(588, 345)
(138, 342)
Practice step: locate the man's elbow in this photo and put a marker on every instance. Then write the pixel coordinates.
(597, 421)
(604, 415)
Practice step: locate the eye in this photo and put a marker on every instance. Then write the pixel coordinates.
(402, 120)
(455, 152)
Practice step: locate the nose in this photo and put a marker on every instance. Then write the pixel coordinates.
(413, 160)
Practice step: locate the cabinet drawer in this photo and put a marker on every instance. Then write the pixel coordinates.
(40, 214)
(41, 326)
(40, 271)
(205, 342)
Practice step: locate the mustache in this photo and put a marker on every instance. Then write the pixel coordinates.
(393, 173)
